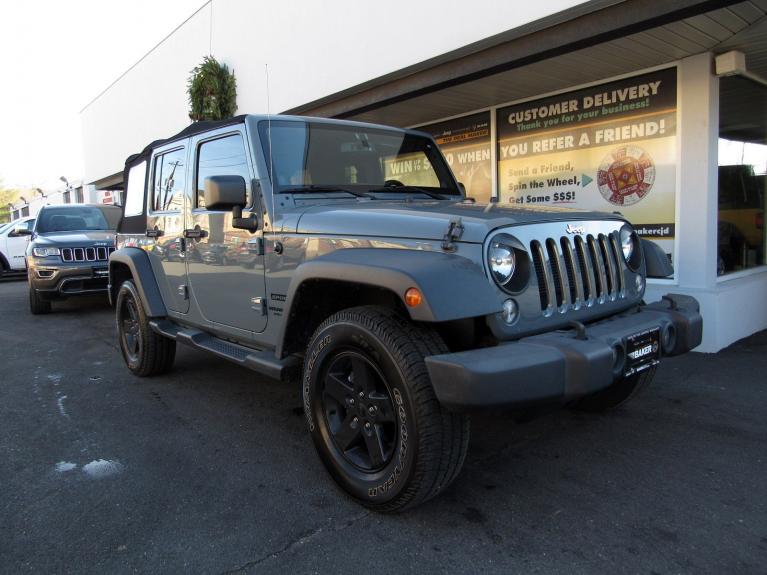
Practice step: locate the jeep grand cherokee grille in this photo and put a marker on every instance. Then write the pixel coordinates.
(576, 272)
(93, 254)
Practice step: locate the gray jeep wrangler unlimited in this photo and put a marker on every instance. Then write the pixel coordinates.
(346, 256)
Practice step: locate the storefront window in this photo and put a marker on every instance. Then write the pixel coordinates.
(465, 142)
(607, 147)
(742, 174)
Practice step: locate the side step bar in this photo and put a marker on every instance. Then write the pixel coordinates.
(261, 361)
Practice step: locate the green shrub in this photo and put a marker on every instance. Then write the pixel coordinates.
(212, 91)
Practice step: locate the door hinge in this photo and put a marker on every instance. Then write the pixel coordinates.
(259, 245)
(183, 293)
(258, 304)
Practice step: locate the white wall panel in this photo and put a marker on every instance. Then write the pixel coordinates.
(314, 49)
(146, 103)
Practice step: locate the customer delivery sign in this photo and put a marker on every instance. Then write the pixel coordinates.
(610, 147)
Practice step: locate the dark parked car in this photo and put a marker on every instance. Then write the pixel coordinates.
(399, 304)
(69, 251)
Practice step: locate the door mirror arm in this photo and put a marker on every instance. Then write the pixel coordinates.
(249, 223)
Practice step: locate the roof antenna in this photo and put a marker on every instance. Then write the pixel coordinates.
(269, 124)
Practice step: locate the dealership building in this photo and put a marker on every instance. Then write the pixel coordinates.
(656, 110)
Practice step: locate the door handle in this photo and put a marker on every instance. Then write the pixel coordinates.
(195, 233)
(154, 233)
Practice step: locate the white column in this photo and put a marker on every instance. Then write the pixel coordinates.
(697, 189)
(698, 173)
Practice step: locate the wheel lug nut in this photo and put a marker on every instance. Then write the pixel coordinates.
(372, 410)
(367, 425)
(362, 394)
(351, 401)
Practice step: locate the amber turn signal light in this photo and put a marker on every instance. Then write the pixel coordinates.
(413, 297)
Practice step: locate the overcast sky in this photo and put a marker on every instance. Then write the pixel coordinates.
(55, 57)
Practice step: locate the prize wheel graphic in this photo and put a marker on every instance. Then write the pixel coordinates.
(626, 175)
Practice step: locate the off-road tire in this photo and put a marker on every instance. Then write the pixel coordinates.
(38, 305)
(145, 352)
(429, 443)
(618, 394)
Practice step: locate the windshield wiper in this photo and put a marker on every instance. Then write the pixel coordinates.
(313, 188)
(408, 189)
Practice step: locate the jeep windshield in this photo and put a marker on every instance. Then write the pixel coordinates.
(317, 157)
(77, 219)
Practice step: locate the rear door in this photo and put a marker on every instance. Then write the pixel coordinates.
(165, 222)
(225, 265)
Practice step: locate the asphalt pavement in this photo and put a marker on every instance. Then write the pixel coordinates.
(210, 470)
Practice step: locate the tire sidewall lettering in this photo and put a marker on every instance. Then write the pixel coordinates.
(381, 487)
(402, 448)
(307, 392)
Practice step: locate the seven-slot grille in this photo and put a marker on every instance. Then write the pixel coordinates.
(578, 272)
(94, 254)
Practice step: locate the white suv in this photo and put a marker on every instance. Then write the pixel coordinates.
(13, 245)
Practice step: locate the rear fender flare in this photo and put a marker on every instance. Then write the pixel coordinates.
(143, 276)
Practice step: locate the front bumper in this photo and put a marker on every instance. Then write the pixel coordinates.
(57, 280)
(559, 366)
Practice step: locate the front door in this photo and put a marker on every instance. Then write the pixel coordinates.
(225, 264)
(165, 224)
(17, 245)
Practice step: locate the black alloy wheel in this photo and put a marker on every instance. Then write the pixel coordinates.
(130, 334)
(145, 351)
(372, 412)
(359, 411)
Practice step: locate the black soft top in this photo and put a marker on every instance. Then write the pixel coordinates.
(137, 223)
(190, 130)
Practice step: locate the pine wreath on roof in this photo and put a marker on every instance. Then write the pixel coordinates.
(212, 91)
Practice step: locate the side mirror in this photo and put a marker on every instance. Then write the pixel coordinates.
(225, 193)
(20, 231)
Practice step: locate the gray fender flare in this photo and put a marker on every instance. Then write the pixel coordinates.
(656, 262)
(453, 287)
(140, 267)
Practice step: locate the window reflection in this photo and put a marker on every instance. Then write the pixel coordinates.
(221, 157)
(742, 174)
(169, 178)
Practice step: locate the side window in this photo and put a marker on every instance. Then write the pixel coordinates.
(134, 201)
(222, 157)
(168, 186)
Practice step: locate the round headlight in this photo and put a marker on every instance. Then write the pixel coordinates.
(630, 248)
(502, 262)
(627, 243)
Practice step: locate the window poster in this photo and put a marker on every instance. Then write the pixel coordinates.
(465, 142)
(610, 147)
